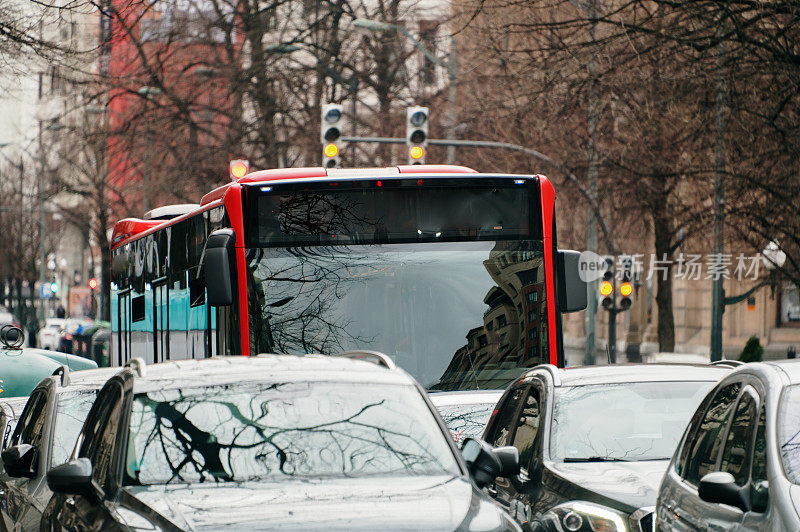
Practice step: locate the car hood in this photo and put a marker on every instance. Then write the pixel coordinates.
(625, 486)
(387, 503)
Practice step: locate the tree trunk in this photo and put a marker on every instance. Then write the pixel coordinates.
(666, 321)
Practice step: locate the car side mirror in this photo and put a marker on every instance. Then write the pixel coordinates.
(18, 460)
(482, 463)
(218, 264)
(720, 487)
(74, 477)
(509, 460)
(572, 290)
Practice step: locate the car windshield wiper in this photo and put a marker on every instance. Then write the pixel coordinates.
(596, 459)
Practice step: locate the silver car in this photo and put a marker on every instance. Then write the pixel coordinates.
(738, 464)
(44, 436)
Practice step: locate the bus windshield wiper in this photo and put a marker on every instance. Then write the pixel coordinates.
(595, 459)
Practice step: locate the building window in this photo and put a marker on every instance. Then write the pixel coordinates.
(490, 326)
(501, 320)
(503, 338)
(533, 297)
(532, 334)
(789, 306)
(533, 351)
(532, 315)
(482, 341)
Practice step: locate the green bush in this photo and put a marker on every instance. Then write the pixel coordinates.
(752, 352)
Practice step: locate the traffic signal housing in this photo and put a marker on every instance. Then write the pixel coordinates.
(607, 285)
(416, 134)
(330, 134)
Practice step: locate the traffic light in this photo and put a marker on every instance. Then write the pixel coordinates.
(54, 287)
(625, 290)
(416, 134)
(92, 283)
(330, 134)
(607, 285)
(238, 168)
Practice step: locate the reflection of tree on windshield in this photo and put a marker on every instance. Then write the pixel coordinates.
(299, 429)
(295, 301)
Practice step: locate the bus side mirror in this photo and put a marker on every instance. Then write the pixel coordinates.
(573, 291)
(217, 263)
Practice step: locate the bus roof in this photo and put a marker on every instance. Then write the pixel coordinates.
(305, 173)
(128, 228)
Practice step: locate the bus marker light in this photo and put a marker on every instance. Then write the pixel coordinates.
(519, 181)
(266, 189)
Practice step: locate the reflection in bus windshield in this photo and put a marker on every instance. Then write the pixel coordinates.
(454, 315)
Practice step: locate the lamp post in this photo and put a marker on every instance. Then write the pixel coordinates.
(147, 93)
(450, 64)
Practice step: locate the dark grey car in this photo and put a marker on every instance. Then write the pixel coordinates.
(738, 464)
(44, 436)
(269, 442)
(593, 442)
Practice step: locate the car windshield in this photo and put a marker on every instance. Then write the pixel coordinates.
(73, 407)
(629, 421)
(281, 430)
(789, 432)
(466, 421)
(458, 315)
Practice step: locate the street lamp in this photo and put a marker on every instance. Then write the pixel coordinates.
(147, 93)
(451, 64)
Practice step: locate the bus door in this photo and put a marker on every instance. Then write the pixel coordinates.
(160, 320)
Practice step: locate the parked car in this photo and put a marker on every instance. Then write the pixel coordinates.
(50, 334)
(270, 442)
(738, 464)
(593, 441)
(21, 368)
(10, 410)
(466, 413)
(44, 437)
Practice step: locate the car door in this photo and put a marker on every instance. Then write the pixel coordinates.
(525, 490)
(23, 510)
(500, 432)
(681, 509)
(99, 442)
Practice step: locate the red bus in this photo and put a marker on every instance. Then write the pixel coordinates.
(453, 274)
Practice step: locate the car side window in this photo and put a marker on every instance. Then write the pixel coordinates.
(31, 422)
(100, 439)
(706, 444)
(759, 473)
(527, 427)
(758, 476)
(736, 456)
(504, 424)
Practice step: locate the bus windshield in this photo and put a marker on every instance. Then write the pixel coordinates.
(466, 309)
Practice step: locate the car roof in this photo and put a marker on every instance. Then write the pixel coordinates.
(622, 373)
(264, 368)
(790, 368)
